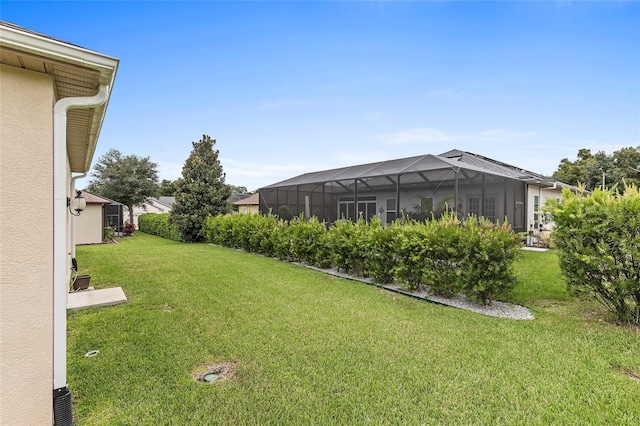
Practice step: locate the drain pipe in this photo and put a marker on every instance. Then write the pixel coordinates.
(61, 394)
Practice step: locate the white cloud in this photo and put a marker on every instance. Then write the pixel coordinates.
(169, 170)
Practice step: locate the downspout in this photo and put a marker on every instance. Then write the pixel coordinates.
(62, 396)
(73, 218)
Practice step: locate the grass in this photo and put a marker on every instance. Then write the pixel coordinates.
(314, 349)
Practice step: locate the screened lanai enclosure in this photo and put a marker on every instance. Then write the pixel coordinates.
(419, 186)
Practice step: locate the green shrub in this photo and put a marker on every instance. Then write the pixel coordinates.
(158, 224)
(307, 241)
(109, 233)
(487, 266)
(445, 255)
(346, 241)
(598, 238)
(451, 256)
(410, 252)
(380, 259)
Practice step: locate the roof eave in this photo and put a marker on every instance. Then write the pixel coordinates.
(29, 42)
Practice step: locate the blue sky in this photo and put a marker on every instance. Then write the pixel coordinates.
(291, 87)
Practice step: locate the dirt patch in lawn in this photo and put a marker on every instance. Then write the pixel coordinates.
(626, 372)
(223, 371)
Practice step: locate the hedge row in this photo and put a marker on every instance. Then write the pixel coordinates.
(158, 224)
(474, 257)
(598, 238)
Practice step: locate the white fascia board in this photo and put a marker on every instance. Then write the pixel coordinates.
(59, 51)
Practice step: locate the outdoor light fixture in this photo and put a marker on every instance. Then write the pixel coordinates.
(77, 205)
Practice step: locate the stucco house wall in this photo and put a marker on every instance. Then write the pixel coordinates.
(37, 71)
(249, 205)
(89, 226)
(539, 226)
(26, 100)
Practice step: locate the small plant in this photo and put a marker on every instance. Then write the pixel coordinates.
(129, 229)
(109, 233)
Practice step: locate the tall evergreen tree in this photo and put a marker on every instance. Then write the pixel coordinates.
(200, 192)
(128, 179)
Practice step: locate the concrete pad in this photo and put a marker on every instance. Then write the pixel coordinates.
(92, 298)
(534, 248)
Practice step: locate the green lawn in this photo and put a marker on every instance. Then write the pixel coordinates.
(314, 349)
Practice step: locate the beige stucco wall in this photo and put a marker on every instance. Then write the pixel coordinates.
(540, 233)
(26, 244)
(89, 225)
(248, 209)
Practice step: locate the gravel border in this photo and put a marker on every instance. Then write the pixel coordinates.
(496, 309)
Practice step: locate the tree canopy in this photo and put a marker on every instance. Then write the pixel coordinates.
(128, 179)
(588, 169)
(167, 188)
(200, 192)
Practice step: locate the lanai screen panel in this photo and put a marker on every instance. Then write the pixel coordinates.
(413, 184)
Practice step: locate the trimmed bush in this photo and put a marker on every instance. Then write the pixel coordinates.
(380, 259)
(410, 250)
(445, 255)
(158, 224)
(598, 238)
(347, 241)
(452, 257)
(489, 251)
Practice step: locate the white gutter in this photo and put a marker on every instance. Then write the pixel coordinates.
(60, 211)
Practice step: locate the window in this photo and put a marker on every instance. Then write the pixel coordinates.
(536, 211)
(474, 206)
(426, 204)
(489, 207)
(366, 207)
(392, 213)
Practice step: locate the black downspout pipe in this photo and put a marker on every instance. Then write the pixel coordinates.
(62, 413)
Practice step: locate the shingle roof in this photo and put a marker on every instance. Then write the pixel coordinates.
(251, 200)
(95, 199)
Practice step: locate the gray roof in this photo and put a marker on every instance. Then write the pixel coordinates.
(167, 201)
(237, 196)
(440, 167)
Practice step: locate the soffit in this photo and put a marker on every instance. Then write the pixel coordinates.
(76, 72)
(69, 81)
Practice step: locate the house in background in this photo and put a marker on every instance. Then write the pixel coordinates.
(152, 205)
(91, 223)
(236, 196)
(250, 204)
(466, 182)
(53, 101)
